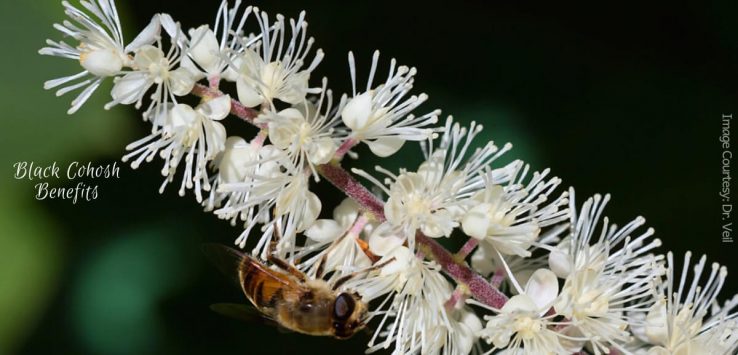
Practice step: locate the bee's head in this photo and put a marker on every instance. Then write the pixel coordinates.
(349, 312)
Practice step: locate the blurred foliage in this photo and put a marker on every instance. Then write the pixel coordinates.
(29, 261)
(35, 129)
(119, 288)
(622, 98)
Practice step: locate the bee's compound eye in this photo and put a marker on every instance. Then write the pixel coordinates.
(343, 307)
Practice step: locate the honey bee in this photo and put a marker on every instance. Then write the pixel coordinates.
(288, 297)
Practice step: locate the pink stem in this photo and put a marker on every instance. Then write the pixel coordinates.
(345, 147)
(497, 278)
(258, 141)
(358, 226)
(478, 286)
(352, 188)
(214, 82)
(237, 108)
(456, 297)
(466, 249)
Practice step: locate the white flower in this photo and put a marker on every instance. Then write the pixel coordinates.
(463, 335)
(101, 51)
(523, 322)
(379, 117)
(195, 135)
(433, 199)
(236, 163)
(579, 250)
(384, 239)
(343, 254)
(273, 184)
(213, 50)
(151, 66)
(510, 218)
(415, 318)
(304, 132)
(487, 260)
(249, 180)
(458, 337)
(605, 281)
(241, 162)
(272, 65)
(686, 319)
(338, 241)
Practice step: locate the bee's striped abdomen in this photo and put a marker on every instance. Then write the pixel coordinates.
(261, 284)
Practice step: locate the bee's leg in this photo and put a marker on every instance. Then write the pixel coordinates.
(286, 267)
(321, 263)
(280, 263)
(357, 225)
(321, 267)
(276, 236)
(350, 276)
(324, 258)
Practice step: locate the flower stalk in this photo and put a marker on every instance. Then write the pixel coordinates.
(237, 108)
(466, 249)
(576, 283)
(453, 265)
(478, 287)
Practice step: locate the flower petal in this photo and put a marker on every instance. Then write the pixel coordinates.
(204, 48)
(322, 150)
(559, 261)
(146, 56)
(476, 222)
(235, 160)
(101, 62)
(542, 288)
(324, 230)
(310, 211)
(385, 146)
(217, 108)
(384, 240)
(346, 212)
(441, 224)
(483, 259)
(247, 94)
(182, 115)
(149, 35)
(181, 81)
(656, 324)
(130, 87)
(170, 26)
(519, 303)
(357, 111)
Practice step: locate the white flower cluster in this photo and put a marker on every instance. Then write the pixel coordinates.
(572, 282)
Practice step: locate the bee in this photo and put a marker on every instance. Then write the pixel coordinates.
(289, 298)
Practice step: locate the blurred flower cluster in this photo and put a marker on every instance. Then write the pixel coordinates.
(537, 273)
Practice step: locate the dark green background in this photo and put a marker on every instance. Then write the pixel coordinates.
(623, 98)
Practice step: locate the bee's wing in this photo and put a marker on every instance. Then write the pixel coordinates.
(237, 311)
(226, 259)
(270, 283)
(246, 313)
(232, 261)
